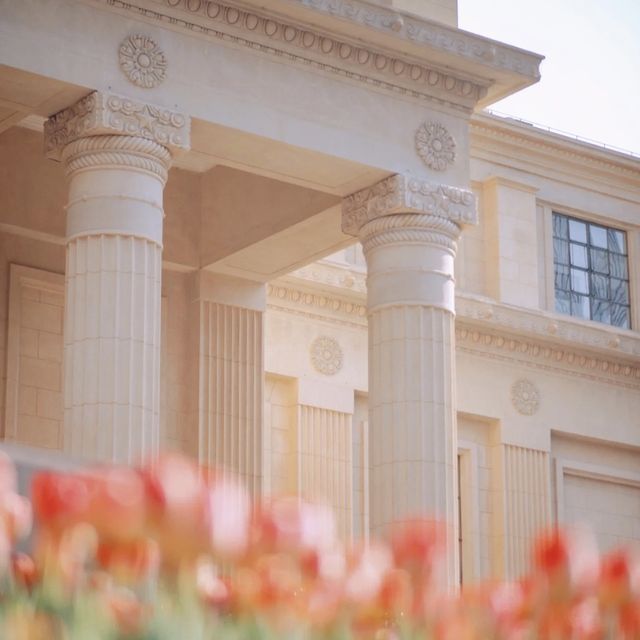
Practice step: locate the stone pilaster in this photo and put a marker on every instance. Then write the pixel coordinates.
(525, 508)
(231, 373)
(409, 228)
(116, 154)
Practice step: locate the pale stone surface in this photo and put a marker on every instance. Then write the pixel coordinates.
(231, 377)
(258, 198)
(117, 153)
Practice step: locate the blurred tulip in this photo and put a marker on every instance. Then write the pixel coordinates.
(129, 561)
(293, 525)
(367, 567)
(129, 614)
(16, 514)
(214, 591)
(417, 543)
(568, 560)
(7, 475)
(24, 571)
(619, 578)
(61, 500)
(229, 518)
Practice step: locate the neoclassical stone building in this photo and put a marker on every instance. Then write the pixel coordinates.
(173, 174)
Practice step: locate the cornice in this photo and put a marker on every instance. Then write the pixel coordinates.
(485, 328)
(399, 195)
(584, 338)
(539, 355)
(293, 40)
(412, 30)
(523, 141)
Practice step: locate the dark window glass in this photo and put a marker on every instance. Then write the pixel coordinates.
(591, 271)
(599, 260)
(561, 251)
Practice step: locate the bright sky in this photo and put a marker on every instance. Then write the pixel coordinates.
(590, 82)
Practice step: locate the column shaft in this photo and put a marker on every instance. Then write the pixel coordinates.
(112, 346)
(116, 153)
(408, 229)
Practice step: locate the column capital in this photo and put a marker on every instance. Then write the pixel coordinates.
(104, 113)
(405, 194)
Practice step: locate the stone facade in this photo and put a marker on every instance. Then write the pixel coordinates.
(165, 280)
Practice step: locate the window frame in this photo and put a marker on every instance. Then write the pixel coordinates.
(548, 296)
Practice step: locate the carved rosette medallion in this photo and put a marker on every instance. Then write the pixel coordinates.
(525, 397)
(142, 61)
(435, 146)
(326, 355)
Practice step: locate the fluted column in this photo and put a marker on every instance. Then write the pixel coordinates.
(408, 229)
(116, 153)
(231, 373)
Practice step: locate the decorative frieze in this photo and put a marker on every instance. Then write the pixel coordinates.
(401, 194)
(142, 61)
(300, 43)
(544, 356)
(321, 306)
(109, 114)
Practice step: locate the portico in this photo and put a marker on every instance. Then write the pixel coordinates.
(280, 135)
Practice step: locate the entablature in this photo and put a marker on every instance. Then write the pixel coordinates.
(537, 152)
(357, 41)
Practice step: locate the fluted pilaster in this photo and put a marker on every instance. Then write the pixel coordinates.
(116, 154)
(325, 443)
(409, 229)
(232, 388)
(526, 494)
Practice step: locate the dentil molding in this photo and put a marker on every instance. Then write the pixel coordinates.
(400, 194)
(142, 61)
(102, 113)
(437, 36)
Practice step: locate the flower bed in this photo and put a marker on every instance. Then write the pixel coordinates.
(171, 551)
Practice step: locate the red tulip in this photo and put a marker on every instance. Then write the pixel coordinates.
(417, 543)
(567, 560)
(293, 525)
(24, 570)
(134, 560)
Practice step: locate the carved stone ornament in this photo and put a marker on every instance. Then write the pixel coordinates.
(326, 355)
(525, 397)
(402, 194)
(142, 61)
(435, 146)
(102, 113)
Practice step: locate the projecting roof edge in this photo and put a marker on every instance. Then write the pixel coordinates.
(532, 137)
(357, 40)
